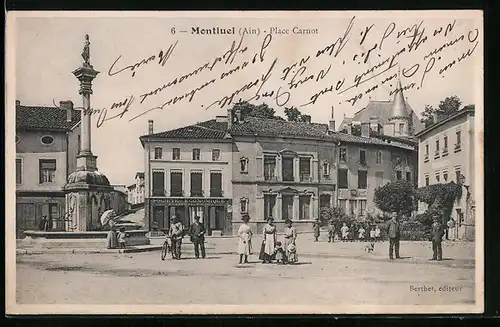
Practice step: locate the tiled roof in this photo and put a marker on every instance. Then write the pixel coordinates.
(348, 138)
(447, 119)
(382, 109)
(28, 117)
(206, 130)
(212, 129)
(274, 127)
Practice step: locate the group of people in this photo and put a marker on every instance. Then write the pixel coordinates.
(116, 239)
(272, 250)
(197, 235)
(349, 234)
(393, 229)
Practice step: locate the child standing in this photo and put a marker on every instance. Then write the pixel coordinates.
(377, 234)
(372, 235)
(345, 232)
(361, 233)
(279, 254)
(121, 238)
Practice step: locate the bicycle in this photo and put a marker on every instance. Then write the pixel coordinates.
(166, 248)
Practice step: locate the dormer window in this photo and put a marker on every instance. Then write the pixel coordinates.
(47, 140)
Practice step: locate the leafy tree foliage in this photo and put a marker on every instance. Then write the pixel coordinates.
(250, 110)
(395, 197)
(439, 198)
(294, 114)
(446, 107)
(335, 214)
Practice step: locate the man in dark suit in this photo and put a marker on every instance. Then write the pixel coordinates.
(437, 233)
(393, 230)
(197, 232)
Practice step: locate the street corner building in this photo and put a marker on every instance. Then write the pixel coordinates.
(447, 154)
(47, 143)
(232, 165)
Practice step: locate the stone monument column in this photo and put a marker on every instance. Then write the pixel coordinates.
(87, 190)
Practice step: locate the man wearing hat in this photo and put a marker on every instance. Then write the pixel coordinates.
(197, 232)
(437, 233)
(176, 234)
(331, 231)
(393, 229)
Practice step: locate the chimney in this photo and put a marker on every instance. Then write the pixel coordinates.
(150, 125)
(365, 129)
(229, 118)
(374, 124)
(331, 123)
(221, 119)
(238, 115)
(68, 105)
(18, 103)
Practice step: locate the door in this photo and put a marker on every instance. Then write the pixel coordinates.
(158, 214)
(217, 216)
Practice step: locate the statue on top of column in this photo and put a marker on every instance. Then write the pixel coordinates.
(86, 50)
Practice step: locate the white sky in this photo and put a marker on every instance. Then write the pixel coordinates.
(48, 50)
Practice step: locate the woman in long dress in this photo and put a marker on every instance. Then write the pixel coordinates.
(290, 246)
(269, 241)
(112, 238)
(244, 239)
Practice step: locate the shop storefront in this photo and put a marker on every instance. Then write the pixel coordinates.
(215, 214)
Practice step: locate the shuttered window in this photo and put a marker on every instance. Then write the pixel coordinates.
(196, 184)
(216, 184)
(158, 183)
(176, 183)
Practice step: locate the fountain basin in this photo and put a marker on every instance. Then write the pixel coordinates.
(42, 239)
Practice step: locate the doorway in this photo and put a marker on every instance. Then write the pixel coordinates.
(216, 219)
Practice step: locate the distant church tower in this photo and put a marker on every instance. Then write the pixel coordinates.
(400, 115)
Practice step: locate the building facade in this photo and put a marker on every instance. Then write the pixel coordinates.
(188, 174)
(47, 142)
(365, 163)
(283, 170)
(376, 146)
(447, 154)
(135, 192)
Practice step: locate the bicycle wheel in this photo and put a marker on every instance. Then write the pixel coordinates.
(164, 250)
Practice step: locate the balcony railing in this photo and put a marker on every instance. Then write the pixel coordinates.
(216, 193)
(436, 153)
(196, 193)
(445, 151)
(426, 157)
(458, 147)
(270, 178)
(305, 178)
(157, 192)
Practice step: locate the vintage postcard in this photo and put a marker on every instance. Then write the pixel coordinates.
(244, 162)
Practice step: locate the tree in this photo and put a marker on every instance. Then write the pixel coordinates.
(294, 114)
(336, 214)
(428, 116)
(395, 197)
(440, 199)
(447, 107)
(250, 110)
